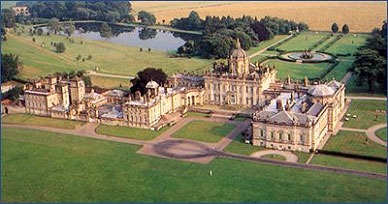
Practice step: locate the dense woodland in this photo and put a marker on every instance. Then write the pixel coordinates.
(219, 34)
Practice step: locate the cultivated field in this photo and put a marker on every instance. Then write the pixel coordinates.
(360, 16)
(110, 58)
(51, 167)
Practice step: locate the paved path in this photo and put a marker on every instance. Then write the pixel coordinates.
(108, 75)
(370, 133)
(367, 98)
(290, 157)
(265, 49)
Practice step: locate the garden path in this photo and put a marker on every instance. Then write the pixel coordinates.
(290, 157)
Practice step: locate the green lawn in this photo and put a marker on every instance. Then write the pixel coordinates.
(109, 82)
(382, 133)
(347, 44)
(339, 71)
(354, 89)
(274, 157)
(303, 41)
(257, 58)
(348, 163)
(40, 121)
(204, 131)
(109, 57)
(266, 43)
(302, 156)
(49, 167)
(355, 143)
(240, 118)
(297, 71)
(319, 47)
(195, 114)
(129, 132)
(365, 111)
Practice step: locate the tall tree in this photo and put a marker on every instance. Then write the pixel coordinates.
(8, 18)
(345, 29)
(146, 18)
(54, 25)
(10, 66)
(143, 77)
(334, 27)
(105, 30)
(69, 28)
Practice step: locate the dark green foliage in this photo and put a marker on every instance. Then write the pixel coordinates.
(193, 22)
(12, 94)
(78, 57)
(143, 77)
(8, 18)
(33, 40)
(69, 28)
(262, 31)
(105, 30)
(146, 18)
(10, 66)
(60, 47)
(147, 33)
(109, 11)
(334, 27)
(39, 31)
(345, 29)
(54, 25)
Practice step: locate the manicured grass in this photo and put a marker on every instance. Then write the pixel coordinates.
(302, 156)
(108, 57)
(303, 41)
(339, 71)
(355, 143)
(197, 114)
(266, 43)
(274, 157)
(349, 163)
(347, 44)
(365, 111)
(204, 131)
(237, 146)
(354, 89)
(27, 119)
(109, 82)
(129, 132)
(297, 71)
(257, 58)
(240, 118)
(40, 166)
(382, 133)
(319, 47)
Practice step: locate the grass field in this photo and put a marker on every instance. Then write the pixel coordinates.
(355, 143)
(267, 43)
(297, 71)
(347, 44)
(109, 57)
(360, 16)
(365, 109)
(38, 168)
(349, 163)
(257, 58)
(129, 132)
(197, 114)
(40, 121)
(109, 82)
(303, 41)
(353, 89)
(204, 131)
(382, 133)
(339, 71)
(319, 47)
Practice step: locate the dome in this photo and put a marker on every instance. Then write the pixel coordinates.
(238, 52)
(320, 90)
(152, 85)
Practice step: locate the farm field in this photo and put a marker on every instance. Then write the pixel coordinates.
(109, 82)
(204, 131)
(129, 132)
(382, 133)
(339, 71)
(303, 41)
(348, 44)
(108, 57)
(318, 15)
(297, 70)
(365, 109)
(78, 169)
(40, 121)
(265, 44)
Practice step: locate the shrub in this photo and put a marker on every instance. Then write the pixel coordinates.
(89, 57)
(141, 49)
(60, 47)
(78, 57)
(33, 39)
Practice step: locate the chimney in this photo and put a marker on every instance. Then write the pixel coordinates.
(304, 106)
(288, 105)
(292, 96)
(306, 81)
(279, 105)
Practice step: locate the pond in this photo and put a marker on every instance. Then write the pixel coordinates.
(143, 37)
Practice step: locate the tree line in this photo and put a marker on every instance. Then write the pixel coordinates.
(219, 33)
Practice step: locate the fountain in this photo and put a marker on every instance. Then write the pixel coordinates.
(306, 56)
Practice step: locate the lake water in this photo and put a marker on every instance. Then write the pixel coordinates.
(133, 36)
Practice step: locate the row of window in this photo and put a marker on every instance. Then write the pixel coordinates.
(281, 136)
(231, 88)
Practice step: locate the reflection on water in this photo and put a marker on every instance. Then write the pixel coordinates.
(133, 36)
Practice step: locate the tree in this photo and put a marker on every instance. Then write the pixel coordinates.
(60, 47)
(12, 94)
(345, 29)
(334, 27)
(10, 66)
(143, 77)
(262, 31)
(369, 66)
(146, 18)
(70, 28)
(8, 18)
(105, 30)
(39, 31)
(54, 25)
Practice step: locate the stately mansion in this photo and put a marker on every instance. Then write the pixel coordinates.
(286, 114)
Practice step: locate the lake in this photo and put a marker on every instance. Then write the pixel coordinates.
(145, 38)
